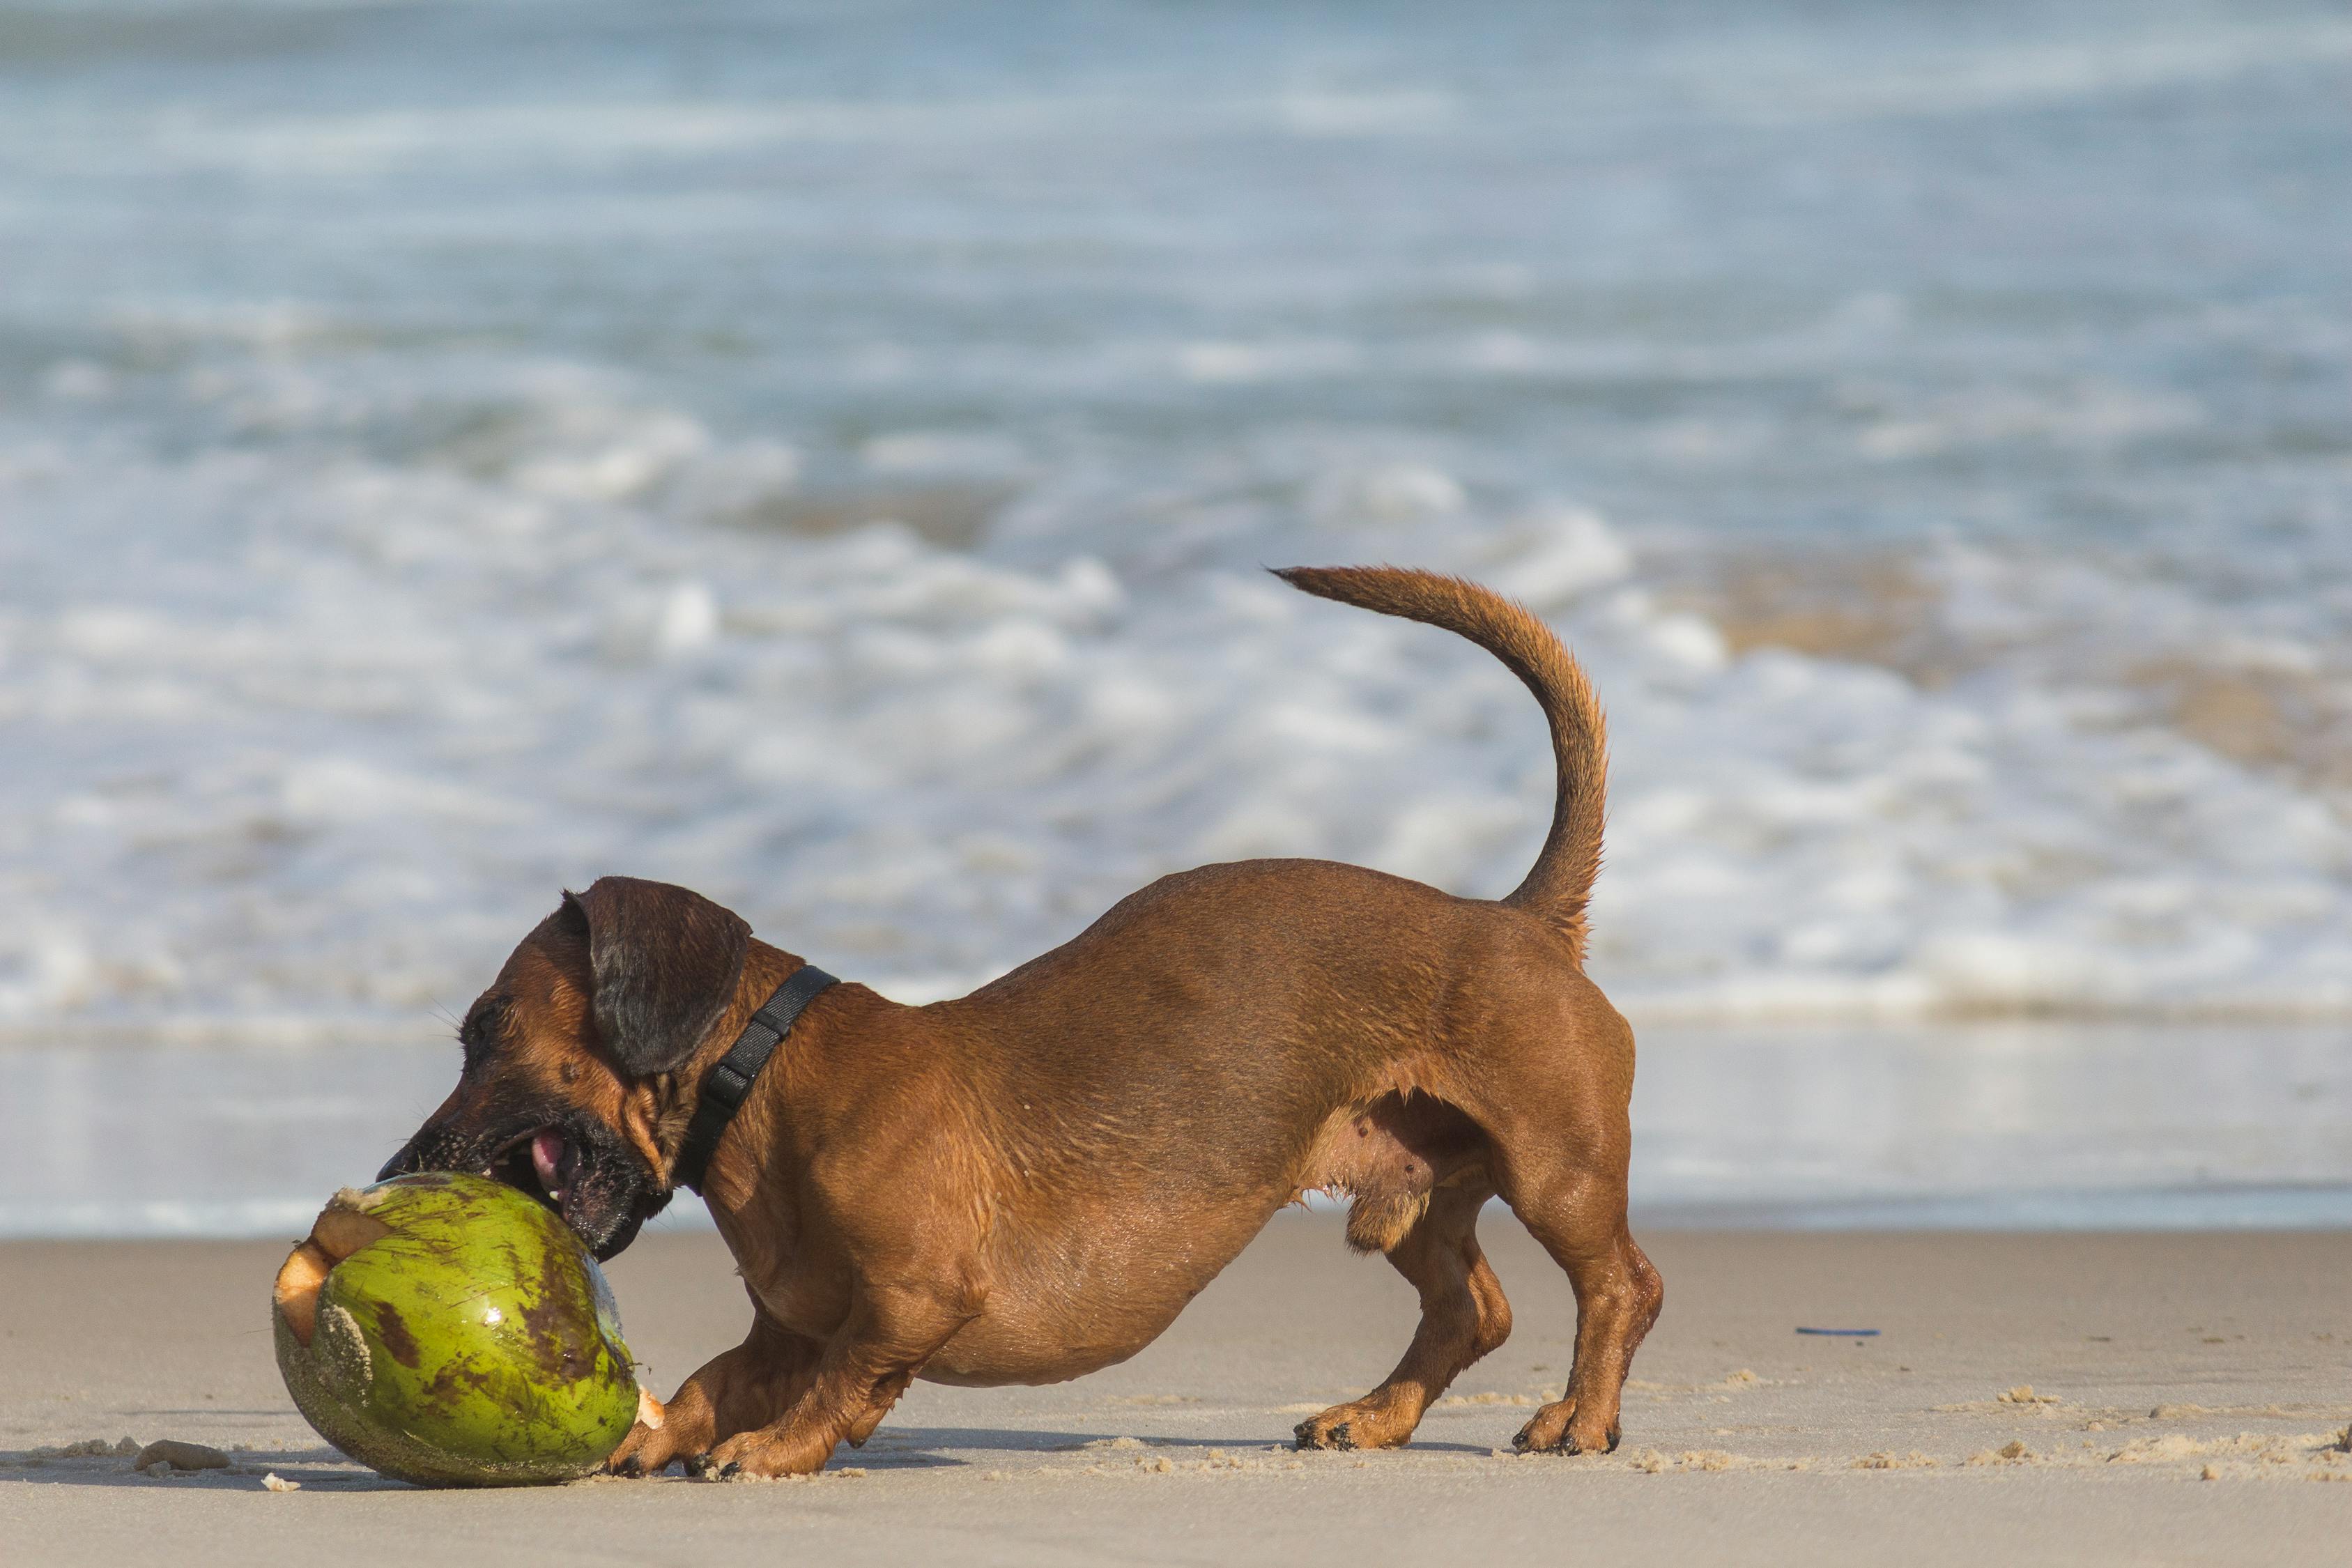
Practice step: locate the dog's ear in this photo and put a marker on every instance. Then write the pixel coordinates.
(665, 963)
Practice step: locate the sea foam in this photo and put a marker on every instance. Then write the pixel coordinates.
(351, 728)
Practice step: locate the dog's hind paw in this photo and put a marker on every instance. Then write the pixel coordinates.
(1556, 1430)
(1384, 1418)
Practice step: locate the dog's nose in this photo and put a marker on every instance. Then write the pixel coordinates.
(400, 1164)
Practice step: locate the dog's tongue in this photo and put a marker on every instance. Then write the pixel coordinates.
(546, 1159)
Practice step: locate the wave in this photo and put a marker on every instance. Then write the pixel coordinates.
(353, 724)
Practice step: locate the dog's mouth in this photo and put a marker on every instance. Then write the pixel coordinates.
(543, 1161)
(584, 1173)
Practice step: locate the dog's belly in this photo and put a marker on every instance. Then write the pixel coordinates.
(1090, 1296)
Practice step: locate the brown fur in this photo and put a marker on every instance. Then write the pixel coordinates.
(1029, 1183)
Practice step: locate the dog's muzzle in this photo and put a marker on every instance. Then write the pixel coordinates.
(578, 1168)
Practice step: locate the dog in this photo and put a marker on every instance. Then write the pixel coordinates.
(1028, 1183)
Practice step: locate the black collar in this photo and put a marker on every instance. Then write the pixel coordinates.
(730, 1079)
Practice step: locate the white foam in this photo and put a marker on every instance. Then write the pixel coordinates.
(919, 763)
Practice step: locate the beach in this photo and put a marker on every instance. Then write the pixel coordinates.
(828, 457)
(2116, 1398)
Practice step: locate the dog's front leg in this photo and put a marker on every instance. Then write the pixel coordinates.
(737, 1391)
(891, 1330)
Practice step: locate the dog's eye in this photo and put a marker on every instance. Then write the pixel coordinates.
(480, 1031)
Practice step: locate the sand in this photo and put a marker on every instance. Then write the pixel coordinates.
(2003, 1414)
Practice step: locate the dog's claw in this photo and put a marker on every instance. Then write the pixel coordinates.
(1338, 1437)
(730, 1470)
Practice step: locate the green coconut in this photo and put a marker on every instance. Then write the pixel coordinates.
(449, 1330)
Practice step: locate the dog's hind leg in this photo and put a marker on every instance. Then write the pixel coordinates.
(1581, 1222)
(1566, 1183)
(1463, 1316)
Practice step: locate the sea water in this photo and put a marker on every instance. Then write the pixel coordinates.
(823, 455)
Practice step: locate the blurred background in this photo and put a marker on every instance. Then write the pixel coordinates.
(822, 454)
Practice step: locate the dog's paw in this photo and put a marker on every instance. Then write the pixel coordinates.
(1372, 1422)
(766, 1455)
(646, 1451)
(1318, 1433)
(1556, 1430)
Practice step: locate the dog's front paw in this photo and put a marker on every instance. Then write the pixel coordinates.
(646, 1451)
(765, 1455)
(653, 1441)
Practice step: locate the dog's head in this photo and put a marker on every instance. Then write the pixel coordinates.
(569, 1082)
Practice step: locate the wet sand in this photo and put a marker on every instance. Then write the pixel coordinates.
(2138, 1398)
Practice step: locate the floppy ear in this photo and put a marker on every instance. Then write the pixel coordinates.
(665, 963)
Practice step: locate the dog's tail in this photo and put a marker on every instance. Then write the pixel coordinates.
(1561, 880)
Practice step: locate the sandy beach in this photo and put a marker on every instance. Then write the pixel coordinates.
(2030, 1398)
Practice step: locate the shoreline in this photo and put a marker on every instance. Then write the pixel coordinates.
(2041, 1397)
(1987, 1128)
(2314, 1206)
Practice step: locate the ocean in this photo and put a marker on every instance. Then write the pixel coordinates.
(825, 455)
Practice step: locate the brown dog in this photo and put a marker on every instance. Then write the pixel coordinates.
(1030, 1183)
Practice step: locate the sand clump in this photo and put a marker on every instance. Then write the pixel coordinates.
(1717, 1390)
(88, 1448)
(1215, 1459)
(2169, 1448)
(2024, 1396)
(165, 1457)
(1657, 1462)
(2013, 1452)
(2317, 1454)
(1886, 1461)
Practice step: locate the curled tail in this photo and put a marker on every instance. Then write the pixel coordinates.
(1561, 882)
